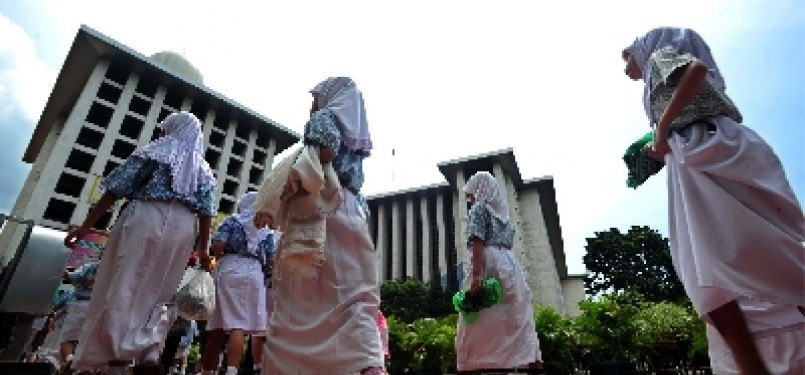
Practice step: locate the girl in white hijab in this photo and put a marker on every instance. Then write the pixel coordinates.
(730, 205)
(503, 336)
(240, 285)
(326, 323)
(171, 194)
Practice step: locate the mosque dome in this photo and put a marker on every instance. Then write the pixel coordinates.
(179, 65)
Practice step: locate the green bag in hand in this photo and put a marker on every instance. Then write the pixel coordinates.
(640, 165)
(468, 305)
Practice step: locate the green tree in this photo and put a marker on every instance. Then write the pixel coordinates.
(639, 261)
(410, 299)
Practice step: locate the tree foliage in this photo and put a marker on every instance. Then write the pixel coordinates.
(638, 261)
(410, 299)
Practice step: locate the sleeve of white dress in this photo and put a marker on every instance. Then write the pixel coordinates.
(270, 191)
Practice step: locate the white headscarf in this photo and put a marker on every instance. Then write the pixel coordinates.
(182, 148)
(486, 190)
(245, 216)
(684, 41)
(341, 96)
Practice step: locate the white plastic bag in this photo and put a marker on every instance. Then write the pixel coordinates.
(195, 299)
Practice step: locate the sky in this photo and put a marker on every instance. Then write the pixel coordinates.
(441, 80)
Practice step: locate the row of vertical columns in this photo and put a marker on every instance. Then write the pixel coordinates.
(399, 258)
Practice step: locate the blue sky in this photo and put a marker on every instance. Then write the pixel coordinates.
(452, 78)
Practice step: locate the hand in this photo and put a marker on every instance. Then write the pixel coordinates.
(326, 155)
(263, 219)
(659, 150)
(76, 234)
(205, 261)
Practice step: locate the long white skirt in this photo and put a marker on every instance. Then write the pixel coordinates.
(736, 228)
(737, 231)
(240, 294)
(140, 269)
(502, 336)
(74, 321)
(327, 325)
(779, 334)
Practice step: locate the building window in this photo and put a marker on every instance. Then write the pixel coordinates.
(216, 138)
(242, 131)
(131, 127)
(213, 157)
(147, 85)
(174, 98)
(99, 114)
(109, 93)
(118, 73)
(259, 156)
(231, 188)
(200, 109)
(226, 206)
(89, 138)
(255, 174)
(110, 166)
(79, 160)
(139, 105)
(69, 185)
(238, 148)
(122, 149)
(59, 211)
(221, 122)
(233, 168)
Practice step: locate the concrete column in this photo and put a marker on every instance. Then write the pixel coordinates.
(243, 186)
(206, 127)
(380, 242)
(226, 154)
(152, 117)
(396, 241)
(441, 231)
(461, 221)
(426, 245)
(57, 155)
(501, 178)
(271, 150)
(410, 240)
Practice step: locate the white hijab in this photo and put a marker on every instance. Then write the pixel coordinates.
(181, 148)
(684, 41)
(486, 190)
(245, 216)
(341, 96)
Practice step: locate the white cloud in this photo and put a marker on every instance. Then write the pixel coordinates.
(25, 80)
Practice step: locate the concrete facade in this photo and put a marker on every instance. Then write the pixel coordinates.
(419, 232)
(107, 102)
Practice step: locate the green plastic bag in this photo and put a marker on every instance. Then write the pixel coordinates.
(468, 305)
(640, 165)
